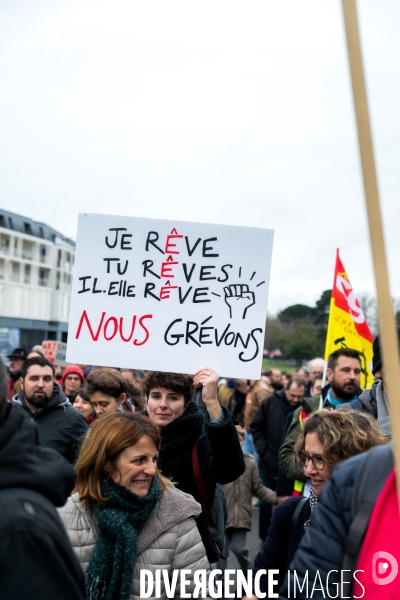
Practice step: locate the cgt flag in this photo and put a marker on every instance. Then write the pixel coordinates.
(347, 326)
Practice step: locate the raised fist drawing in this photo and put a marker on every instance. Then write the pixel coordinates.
(239, 298)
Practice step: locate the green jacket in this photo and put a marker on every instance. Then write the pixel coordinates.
(286, 455)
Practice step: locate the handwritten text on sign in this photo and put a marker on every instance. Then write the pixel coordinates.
(169, 296)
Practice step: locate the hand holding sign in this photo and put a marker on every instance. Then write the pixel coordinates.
(239, 298)
(208, 378)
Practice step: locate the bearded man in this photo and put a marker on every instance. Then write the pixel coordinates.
(60, 425)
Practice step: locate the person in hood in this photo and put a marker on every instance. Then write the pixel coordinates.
(36, 557)
(60, 426)
(72, 379)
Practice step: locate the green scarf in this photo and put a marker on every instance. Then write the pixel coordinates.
(110, 570)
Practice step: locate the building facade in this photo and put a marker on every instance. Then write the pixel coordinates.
(36, 265)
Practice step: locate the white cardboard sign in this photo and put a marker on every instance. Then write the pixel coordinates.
(169, 295)
(55, 352)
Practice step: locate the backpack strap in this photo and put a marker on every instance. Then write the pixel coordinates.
(199, 479)
(296, 514)
(370, 479)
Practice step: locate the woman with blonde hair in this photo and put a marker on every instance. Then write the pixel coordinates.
(327, 438)
(124, 515)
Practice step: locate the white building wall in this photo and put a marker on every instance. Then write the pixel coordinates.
(35, 277)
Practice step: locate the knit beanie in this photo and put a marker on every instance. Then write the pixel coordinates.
(73, 369)
(376, 347)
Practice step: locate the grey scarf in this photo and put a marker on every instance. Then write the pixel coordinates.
(383, 414)
(313, 498)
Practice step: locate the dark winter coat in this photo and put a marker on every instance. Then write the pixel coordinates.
(279, 548)
(286, 454)
(367, 401)
(322, 548)
(61, 426)
(37, 561)
(220, 455)
(267, 429)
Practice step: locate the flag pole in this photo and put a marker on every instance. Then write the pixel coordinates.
(321, 401)
(387, 324)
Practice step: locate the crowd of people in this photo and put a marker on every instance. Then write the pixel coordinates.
(106, 471)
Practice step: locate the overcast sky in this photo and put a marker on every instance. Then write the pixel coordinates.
(215, 111)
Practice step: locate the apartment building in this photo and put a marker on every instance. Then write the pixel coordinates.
(35, 282)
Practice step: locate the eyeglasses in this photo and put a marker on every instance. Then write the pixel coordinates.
(317, 460)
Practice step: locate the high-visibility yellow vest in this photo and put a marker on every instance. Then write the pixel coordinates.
(299, 485)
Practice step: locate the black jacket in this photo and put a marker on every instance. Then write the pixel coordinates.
(61, 426)
(220, 455)
(267, 428)
(37, 561)
(279, 548)
(322, 548)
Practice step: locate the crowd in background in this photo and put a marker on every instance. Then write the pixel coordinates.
(158, 470)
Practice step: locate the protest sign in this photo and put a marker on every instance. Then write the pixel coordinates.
(55, 352)
(169, 296)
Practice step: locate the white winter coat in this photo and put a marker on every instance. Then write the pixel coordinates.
(169, 540)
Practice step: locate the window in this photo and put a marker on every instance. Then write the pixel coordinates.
(1, 268)
(27, 250)
(41, 232)
(59, 259)
(58, 280)
(27, 277)
(14, 271)
(10, 223)
(27, 228)
(44, 277)
(15, 246)
(4, 244)
(43, 251)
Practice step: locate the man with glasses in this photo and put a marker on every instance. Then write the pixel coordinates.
(268, 428)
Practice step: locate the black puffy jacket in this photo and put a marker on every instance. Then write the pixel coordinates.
(37, 561)
(61, 426)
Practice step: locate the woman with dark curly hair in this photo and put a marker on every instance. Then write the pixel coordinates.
(327, 438)
(189, 437)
